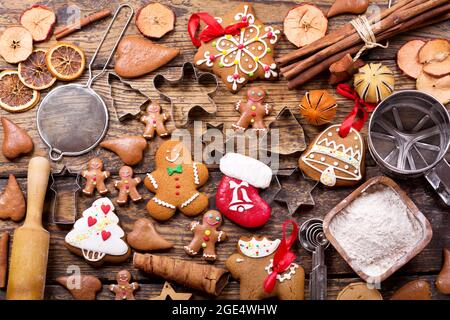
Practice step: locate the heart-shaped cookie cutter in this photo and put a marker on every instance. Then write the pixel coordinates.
(202, 78)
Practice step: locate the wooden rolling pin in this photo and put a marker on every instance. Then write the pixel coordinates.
(31, 241)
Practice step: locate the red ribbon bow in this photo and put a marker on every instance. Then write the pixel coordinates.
(283, 256)
(361, 107)
(213, 28)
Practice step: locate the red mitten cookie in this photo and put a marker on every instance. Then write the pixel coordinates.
(175, 182)
(237, 196)
(97, 236)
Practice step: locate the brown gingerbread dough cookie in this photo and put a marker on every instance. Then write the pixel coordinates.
(206, 235)
(82, 288)
(130, 149)
(154, 121)
(145, 237)
(253, 111)
(359, 291)
(175, 182)
(127, 186)
(252, 264)
(12, 201)
(124, 290)
(16, 140)
(443, 279)
(95, 177)
(413, 290)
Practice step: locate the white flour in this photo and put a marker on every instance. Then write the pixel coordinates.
(376, 230)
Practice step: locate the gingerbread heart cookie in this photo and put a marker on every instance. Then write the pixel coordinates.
(175, 182)
(334, 160)
(245, 56)
(97, 236)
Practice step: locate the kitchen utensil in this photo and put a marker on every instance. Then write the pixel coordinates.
(313, 239)
(31, 241)
(72, 119)
(409, 135)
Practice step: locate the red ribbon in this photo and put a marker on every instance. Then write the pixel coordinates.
(213, 28)
(283, 256)
(361, 108)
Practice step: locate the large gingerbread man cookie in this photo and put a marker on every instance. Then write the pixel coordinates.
(246, 56)
(175, 182)
(253, 110)
(206, 235)
(252, 264)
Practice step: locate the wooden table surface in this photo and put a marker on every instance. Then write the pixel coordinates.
(425, 266)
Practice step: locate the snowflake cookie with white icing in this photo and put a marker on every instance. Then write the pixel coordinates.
(253, 262)
(97, 236)
(334, 160)
(244, 57)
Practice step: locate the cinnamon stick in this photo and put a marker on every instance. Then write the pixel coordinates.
(4, 246)
(64, 31)
(203, 277)
(354, 39)
(335, 36)
(431, 17)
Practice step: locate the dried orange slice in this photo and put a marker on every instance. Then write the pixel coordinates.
(14, 95)
(65, 61)
(34, 73)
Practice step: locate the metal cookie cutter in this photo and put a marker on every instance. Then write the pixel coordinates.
(409, 136)
(75, 188)
(201, 79)
(131, 112)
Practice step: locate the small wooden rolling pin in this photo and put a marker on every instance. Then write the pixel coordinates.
(31, 241)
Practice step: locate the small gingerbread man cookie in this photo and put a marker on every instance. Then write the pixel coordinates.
(124, 289)
(95, 177)
(154, 121)
(127, 185)
(206, 235)
(253, 111)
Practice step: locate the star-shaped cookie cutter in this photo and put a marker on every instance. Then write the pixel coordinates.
(128, 87)
(64, 173)
(201, 79)
(168, 291)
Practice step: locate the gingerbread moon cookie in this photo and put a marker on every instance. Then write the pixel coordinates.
(333, 160)
(244, 57)
(97, 236)
(253, 263)
(175, 182)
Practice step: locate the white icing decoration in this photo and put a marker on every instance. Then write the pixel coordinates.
(329, 148)
(174, 158)
(238, 105)
(258, 248)
(205, 255)
(163, 203)
(190, 250)
(89, 238)
(196, 178)
(286, 275)
(152, 180)
(194, 225)
(219, 238)
(188, 201)
(266, 108)
(240, 201)
(244, 44)
(239, 260)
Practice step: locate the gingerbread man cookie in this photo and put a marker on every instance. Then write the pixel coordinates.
(154, 121)
(127, 185)
(95, 177)
(206, 235)
(253, 111)
(124, 289)
(175, 182)
(245, 56)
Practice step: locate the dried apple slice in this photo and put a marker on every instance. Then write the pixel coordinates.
(39, 20)
(434, 50)
(16, 44)
(155, 20)
(407, 58)
(437, 87)
(14, 95)
(34, 73)
(305, 24)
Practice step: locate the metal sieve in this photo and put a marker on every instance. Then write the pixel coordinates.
(409, 135)
(72, 119)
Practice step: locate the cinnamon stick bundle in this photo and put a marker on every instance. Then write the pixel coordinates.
(4, 246)
(203, 277)
(66, 30)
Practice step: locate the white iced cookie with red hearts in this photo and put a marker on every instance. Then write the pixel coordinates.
(97, 236)
(334, 160)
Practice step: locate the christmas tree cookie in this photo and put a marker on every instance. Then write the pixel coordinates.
(97, 236)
